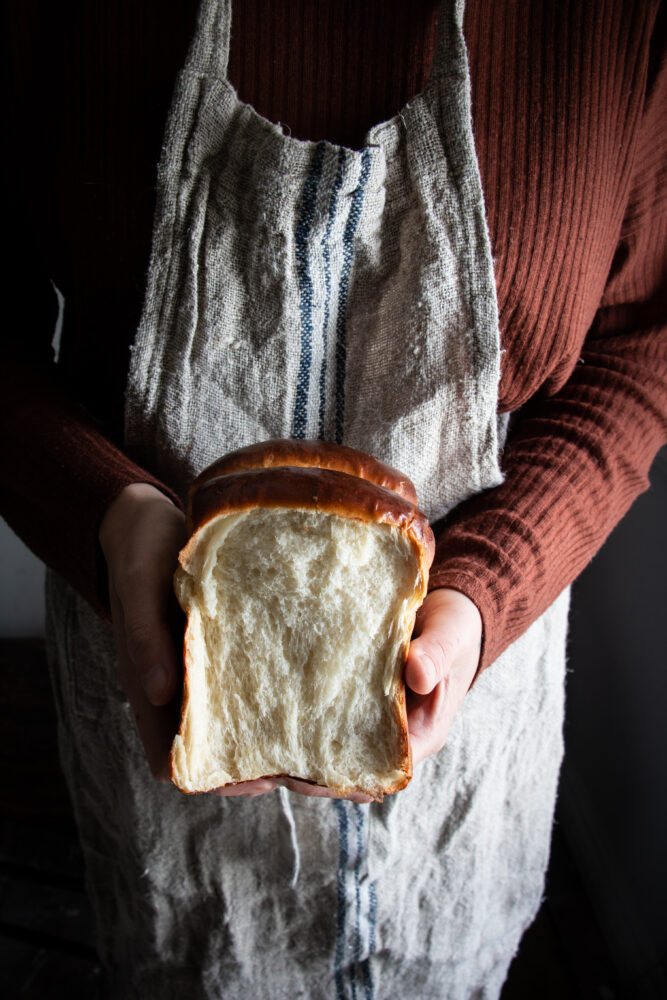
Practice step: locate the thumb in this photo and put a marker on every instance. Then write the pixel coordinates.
(426, 664)
(448, 627)
(148, 642)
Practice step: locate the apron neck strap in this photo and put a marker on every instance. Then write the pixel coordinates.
(209, 51)
(450, 32)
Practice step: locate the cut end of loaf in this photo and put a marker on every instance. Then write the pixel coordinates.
(298, 626)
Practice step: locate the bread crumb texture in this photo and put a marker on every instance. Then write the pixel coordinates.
(298, 623)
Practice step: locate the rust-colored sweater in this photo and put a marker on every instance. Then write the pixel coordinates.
(570, 124)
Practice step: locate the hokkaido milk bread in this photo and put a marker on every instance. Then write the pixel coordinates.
(305, 568)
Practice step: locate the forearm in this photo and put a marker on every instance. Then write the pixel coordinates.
(59, 475)
(573, 465)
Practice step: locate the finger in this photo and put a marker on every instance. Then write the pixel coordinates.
(321, 791)
(448, 626)
(424, 666)
(259, 786)
(156, 726)
(432, 652)
(427, 659)
(148, 636)
(426, 724)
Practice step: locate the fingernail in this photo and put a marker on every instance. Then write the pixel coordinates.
(154, 683)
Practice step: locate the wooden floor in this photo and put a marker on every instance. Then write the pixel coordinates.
(46, 934)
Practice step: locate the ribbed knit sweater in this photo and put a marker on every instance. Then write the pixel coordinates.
(570, 125)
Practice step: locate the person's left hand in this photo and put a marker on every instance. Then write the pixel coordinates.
(441, 665)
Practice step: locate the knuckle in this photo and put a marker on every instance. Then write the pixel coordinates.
(447, 646)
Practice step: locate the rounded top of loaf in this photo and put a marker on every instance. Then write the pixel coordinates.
(288, 452)
(324, 490)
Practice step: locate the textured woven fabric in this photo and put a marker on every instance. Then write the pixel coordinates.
(281, 271)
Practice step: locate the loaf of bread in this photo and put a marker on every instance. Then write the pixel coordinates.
(304, 570)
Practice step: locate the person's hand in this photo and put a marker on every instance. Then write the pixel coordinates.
(441, 665)
(141, 534)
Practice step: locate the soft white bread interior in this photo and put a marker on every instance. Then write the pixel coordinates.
(300, 602)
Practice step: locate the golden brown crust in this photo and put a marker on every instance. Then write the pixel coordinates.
(377, 793)
(400, 707)
(175, 773)
(310, 454)
(309, 489)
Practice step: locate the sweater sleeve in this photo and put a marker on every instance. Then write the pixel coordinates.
(576, 458)
(60, 473)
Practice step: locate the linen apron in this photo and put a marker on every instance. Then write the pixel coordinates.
(301, 289)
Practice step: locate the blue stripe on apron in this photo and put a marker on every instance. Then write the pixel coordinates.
(326, 253)
(363, 965)
(303, 230)
(302, 237)
(351, 970)
(343, 828)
